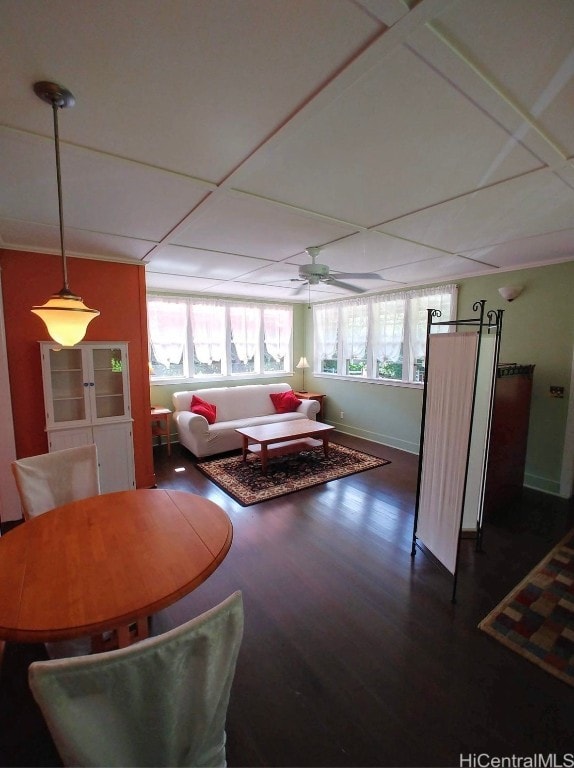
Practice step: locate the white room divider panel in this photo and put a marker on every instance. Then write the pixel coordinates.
(480, 438)
(451, 373)
(455, 430)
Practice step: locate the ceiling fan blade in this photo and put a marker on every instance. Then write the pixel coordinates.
(346, 286)
(359, 275)
(300, 288)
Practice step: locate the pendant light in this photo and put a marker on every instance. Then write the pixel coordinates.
(65, 314)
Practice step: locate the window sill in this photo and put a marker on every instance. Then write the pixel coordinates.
(238, 377)
(364, 380)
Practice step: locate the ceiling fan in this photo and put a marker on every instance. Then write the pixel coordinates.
(314, 273)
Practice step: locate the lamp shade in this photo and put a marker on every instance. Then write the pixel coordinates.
(302, 363)
(510, 292)
(66, 318)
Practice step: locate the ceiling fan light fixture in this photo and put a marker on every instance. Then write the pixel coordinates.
(65, 315)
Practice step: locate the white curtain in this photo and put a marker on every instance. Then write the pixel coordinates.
(277, 328)
(326, 330)
(167, 326)
(245, 330)
(451, 372)
(354, 329)
(388, 328)
(429, 298)
(208, 330)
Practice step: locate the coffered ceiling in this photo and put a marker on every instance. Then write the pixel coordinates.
(215, 140)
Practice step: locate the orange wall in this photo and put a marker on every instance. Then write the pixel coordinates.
(118, 291)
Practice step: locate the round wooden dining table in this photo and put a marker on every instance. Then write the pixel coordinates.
(107, 563)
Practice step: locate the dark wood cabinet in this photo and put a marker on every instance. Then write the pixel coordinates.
(508, 439)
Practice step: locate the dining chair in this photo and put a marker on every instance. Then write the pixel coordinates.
(160, 702)
(52, 479)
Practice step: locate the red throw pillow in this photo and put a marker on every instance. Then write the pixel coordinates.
(285, 402)
(203, 408)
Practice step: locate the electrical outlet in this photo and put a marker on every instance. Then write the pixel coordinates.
(556, 391)
(342, 414)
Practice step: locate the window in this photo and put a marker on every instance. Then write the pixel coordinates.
(167, 326)
(379, 337)
(194, 338)
(354, 317)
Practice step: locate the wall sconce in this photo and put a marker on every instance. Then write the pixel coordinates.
(303, 364)
(65, 314)
(510, 292)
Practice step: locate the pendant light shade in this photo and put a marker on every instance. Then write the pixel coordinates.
(65, 314)
(66, 317)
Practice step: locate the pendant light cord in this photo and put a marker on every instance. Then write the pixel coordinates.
(55, 107)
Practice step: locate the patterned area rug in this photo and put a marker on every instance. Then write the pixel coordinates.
(244, 481)
(537, 618)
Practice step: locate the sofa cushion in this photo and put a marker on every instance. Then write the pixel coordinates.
(203, 408)
(285, 402)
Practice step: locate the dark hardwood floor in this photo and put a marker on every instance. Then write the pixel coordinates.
(353, 654)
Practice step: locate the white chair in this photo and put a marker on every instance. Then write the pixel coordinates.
(52, 479)
(160, 702)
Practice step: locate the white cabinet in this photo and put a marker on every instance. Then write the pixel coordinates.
(87, 399)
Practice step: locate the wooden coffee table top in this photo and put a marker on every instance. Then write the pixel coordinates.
(103, 562)
(285, 430)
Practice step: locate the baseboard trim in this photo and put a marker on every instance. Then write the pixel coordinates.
(375, 437)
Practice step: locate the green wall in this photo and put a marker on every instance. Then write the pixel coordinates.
(538, 328)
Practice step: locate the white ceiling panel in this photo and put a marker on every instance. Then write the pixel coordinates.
(388, 11)
(534, 204)
(158, 281)
(280, 272)
(556, 246)
(18, 234)
(440, 145)
(177, 259)
(251, 290)
(218, 140)
(191, 86)
(370, 251)
(100, 193)
(503, 37)
(263, 229)
(441, 268)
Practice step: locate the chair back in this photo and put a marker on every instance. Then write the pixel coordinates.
(160, 702)
(52, 479)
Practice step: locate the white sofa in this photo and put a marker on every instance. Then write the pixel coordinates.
(241, 406)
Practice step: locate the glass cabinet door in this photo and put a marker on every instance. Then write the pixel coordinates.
(69, 397)
(109, 381)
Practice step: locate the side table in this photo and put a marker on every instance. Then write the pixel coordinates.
(318, 396)
(160, 419)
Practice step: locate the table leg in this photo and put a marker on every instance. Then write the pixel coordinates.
(244, 447)
(168, 433)
(326, 447)
(264, 457)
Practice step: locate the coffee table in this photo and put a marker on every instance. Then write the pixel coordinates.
(283, 437)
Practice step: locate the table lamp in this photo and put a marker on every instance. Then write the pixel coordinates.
(303, 364)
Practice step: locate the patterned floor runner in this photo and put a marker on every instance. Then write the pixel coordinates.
(536, 619)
